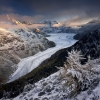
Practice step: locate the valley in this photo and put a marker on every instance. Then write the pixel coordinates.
(62, 40)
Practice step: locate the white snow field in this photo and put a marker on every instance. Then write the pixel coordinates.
(26, 65)
(54, 88)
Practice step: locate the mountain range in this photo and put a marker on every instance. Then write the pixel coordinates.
(18, 44)
(46, 81)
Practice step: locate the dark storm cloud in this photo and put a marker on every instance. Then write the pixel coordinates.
(51, 6)
(56, 6)
(52, 9)
(5, 7)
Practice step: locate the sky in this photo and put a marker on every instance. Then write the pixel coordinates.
(69, 12)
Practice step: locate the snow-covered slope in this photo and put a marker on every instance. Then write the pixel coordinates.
(26, 65)
(35, 40)
(17, 44)
(9, 52)
(65, 84)
(55, 88)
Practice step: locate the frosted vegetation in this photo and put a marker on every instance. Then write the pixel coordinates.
(73, 81)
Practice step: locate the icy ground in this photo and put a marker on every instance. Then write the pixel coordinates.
(26, 65)
(55, 88)
(49, 89)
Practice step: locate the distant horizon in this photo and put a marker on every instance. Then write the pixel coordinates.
(10, 20)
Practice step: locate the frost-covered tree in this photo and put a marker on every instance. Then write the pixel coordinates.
(78, 76)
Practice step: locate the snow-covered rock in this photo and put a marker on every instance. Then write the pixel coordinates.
(17, 44)
(59, 87)
(35, 40)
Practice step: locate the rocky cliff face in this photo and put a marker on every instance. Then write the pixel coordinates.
(17, 44)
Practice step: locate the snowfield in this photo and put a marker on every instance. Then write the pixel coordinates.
(65, 84)
(55, 88)
(26, 65)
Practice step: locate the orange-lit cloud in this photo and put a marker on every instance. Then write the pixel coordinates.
(76, 21)
(4, 25)
(57, 25)
(36, 18)
(15, 17)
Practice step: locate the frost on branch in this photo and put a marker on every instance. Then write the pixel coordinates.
(78, 76)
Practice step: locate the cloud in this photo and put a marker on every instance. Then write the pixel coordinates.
(4, 22)
(10, 26)
(77, 20)
(48, 7)
(35, 18)
(67, 9)
(5, 7)
(60, 10)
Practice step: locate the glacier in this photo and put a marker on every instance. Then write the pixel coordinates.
(26, 65)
